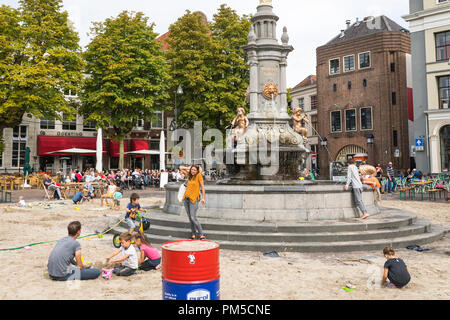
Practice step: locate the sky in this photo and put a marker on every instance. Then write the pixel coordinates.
(310, 23)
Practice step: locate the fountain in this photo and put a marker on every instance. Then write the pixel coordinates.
(264, 205)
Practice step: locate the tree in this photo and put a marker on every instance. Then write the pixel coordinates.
(190, 56)
(126, 75)
(207, 60)
(231, 72)
(40, 59)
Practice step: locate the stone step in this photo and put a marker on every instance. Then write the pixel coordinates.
(225, 235)
(390, 218)
(434, 233)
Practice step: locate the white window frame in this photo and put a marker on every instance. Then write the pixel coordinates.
(356, 120)
(331, 121)
(354, 65)
(19, 140)
(371, 118)
(162, 120)
(329, 66)
(359, 60)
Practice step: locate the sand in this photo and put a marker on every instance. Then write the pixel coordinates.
(244, 275)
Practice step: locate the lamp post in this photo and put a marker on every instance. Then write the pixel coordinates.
(173, 125)
(324, 144)
(370, 142)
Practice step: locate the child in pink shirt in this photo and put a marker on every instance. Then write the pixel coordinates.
(153, 261)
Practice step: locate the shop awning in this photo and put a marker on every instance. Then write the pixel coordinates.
(46, 145)
(114, 148)
(139, 146)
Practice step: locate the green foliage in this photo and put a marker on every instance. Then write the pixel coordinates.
(127, 75)
(40, 59)
(208, 62)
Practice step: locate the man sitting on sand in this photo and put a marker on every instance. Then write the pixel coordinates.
(65, 262)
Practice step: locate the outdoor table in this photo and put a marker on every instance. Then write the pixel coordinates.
(420, 186)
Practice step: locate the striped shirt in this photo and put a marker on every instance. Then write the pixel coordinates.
(390, 172)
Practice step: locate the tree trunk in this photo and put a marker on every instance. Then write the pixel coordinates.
(121, 154)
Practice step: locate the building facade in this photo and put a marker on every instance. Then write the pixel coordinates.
(304, 95)
(45, 136)
(362, 87)
(430, 45)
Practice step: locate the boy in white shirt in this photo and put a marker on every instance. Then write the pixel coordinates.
(128, 258)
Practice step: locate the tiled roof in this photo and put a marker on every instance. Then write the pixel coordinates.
(309, 81)
(163, 40)
(367, 27)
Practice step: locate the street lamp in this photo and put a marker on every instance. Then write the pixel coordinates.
(324, 142)
(173, 124)
(370, 139)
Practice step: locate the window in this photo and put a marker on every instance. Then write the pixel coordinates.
(301, 103)
(90, 125)
(154, 145)
(394, 98)
(350, 120)
(19, 146)
(392, 66)
(69, 124)
(443, 46)
(314, 103)
(364, 60)
(140, 124)
(444, 92)
(349, 63)
(314, 124)
(157, 120)
(335, 66)
(349, 85)
(365, 83)
(366, 119)
(335, 87)
(336, 123)
(47, 124)
(1, 160)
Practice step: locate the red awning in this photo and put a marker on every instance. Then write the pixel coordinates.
(52, 144)
(114, 148)
(139, 145)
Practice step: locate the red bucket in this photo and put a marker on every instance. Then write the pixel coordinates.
(190, 261)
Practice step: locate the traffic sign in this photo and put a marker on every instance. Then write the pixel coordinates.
(420, 144)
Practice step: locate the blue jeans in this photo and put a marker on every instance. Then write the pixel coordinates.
(391, 186)
(79, 274)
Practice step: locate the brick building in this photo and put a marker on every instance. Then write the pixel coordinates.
(363, 94)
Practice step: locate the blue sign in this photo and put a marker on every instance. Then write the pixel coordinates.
(419, 144)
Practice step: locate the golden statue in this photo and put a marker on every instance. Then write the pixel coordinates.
(270, 90)
(265, 2)
(297, 117)
(240, 124)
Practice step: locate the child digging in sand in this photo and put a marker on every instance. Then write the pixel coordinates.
(128, 257)
(395, 270)
(153, 261)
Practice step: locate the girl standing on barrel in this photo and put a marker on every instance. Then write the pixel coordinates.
(192, 198)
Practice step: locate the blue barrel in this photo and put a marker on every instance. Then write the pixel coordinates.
(201, 291)
(190, 270)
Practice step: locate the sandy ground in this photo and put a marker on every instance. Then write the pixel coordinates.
(244, 275)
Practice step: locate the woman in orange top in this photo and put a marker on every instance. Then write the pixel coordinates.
(368, 177)
(192, 197)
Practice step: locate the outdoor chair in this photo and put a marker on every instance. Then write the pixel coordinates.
(4, 194)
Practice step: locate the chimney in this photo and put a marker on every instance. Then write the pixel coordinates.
(342, 34)
(348, 22)
(357, 22)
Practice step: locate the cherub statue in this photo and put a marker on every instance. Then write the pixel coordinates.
(297, 117)
(240, 124)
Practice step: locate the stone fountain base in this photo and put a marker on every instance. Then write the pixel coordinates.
(276, 201)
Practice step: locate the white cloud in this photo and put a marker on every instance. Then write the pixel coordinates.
(310, 23)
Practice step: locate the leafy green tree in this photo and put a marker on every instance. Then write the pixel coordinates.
(231, 71)
(40, 59)
(127, 76)
(207, 60)
(191, 56)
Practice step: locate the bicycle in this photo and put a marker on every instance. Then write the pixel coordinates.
(142, 223)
